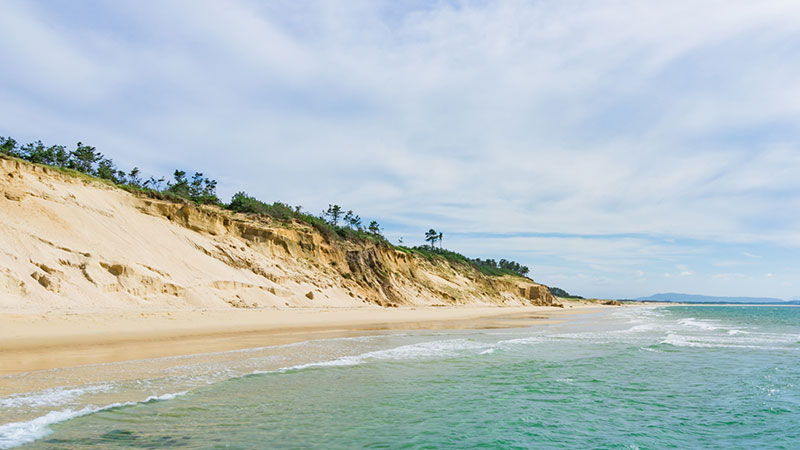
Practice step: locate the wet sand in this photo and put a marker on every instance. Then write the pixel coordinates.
(30, 342)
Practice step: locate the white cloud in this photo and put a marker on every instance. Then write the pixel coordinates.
(668, 119)
(684, 270)
(729, 276)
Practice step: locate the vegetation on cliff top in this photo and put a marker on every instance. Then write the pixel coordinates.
(85, 160)
(558, 292)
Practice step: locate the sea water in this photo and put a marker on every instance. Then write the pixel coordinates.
(638, 377)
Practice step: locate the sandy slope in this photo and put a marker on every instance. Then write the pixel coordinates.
(72, 244)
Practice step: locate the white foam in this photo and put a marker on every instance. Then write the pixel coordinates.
(523, 341)
(50, 397)
(159, 398)
(344, 361)
(412, 351)
(764, 343)
(18, 433)
(638, 314)
(701, 324)
(646, 327)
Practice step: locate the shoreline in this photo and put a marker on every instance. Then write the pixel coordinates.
(43, 341)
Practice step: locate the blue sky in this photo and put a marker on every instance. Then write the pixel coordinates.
(618, 148)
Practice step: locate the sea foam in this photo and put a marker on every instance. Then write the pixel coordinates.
(432, 349)
(50, 397)
(18, 433)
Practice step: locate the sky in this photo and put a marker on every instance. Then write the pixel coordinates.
(618, 148)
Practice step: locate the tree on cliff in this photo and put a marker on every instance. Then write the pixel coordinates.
(504, 265)
(36, 152)
(349, 218)
(200, 189)
(432, 236)
(333, 214)
(83, 158)
(355, 222)
(134, 178)
(108, 171)
(180, 186)
(374, 228)
(9, 146)
(203, 190)
(154, 183)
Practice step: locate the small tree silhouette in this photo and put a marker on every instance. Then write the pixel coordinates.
(83, 158)
(333, 213)
(134, 178)
(348, 218)
(180, 186)
(374, 228)
(431, 236)
(355, 221)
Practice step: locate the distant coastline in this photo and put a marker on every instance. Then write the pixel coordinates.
(672, 297)
(720, 303)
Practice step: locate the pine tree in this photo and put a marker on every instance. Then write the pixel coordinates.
(374, 228)
(334, 213)
(431, 236)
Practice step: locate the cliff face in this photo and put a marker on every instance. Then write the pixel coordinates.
(70, 243)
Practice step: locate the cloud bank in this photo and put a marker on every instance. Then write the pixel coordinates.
(616, 147)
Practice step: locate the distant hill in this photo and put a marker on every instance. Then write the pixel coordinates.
(694, 298)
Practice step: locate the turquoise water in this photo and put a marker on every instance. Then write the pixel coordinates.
(674, 377)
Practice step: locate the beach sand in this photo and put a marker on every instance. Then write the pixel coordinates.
(30, 342)
(104, 346)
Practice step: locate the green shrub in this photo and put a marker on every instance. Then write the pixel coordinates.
(241, 202)
(558, 292)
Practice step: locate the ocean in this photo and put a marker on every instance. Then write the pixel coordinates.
(627, 378)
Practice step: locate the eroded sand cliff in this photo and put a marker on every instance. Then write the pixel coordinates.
(71, 243)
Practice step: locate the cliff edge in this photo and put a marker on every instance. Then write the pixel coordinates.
(69, 242)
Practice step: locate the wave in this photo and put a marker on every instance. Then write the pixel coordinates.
(50, 397)
(18, 433)
(766, 342)
(691, 322)
(431, 349)
(536, 339)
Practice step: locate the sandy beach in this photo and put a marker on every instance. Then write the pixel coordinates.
(92, 275)
(30, 342)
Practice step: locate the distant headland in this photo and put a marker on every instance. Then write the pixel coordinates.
(695, 298)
